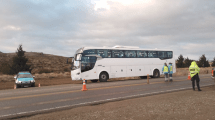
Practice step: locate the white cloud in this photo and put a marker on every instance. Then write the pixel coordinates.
(11, 27)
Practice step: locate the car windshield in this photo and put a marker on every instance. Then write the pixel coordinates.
(24, 76)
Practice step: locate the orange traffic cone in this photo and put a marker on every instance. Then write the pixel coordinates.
(84, 88)
(212, 72)
(39, 85)
(189, 78)
(14, 87)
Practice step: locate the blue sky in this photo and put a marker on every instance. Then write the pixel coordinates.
(61, 27)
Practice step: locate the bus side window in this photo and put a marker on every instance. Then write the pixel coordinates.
(141, 54)
(169, 54)
(104, 53)
(89, 52)
(101, 53)
(152, 54)
(162, 54)
(108, 54)
(117, 54)
(130, 54)
(165, 54)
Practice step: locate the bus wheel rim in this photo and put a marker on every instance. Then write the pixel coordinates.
(103, 76)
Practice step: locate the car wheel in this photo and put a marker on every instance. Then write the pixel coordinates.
(103, 77)
(156, 73)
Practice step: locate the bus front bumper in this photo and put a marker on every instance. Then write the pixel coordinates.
(76, 74)
(76, 78)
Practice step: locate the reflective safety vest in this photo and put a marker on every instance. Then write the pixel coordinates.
(165, 69)
(170, 69)
(194, 69)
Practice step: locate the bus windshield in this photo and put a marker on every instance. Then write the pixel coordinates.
(87, 63)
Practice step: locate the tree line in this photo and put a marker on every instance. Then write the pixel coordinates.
(182, 62)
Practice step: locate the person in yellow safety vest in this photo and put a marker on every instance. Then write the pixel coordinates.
(165, 70)
(170, 71)
(194, 74)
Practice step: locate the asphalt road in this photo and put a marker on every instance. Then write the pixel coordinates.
(30, 101)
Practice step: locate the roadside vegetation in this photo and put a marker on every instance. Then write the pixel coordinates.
(182, 62)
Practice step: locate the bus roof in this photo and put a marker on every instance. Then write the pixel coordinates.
(124, 48)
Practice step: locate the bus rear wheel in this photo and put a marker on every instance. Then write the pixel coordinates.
(103, 77)
(156, 74)
(94, 81)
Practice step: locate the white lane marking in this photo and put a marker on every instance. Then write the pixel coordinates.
(94, 102)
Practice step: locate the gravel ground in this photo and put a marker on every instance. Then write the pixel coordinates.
(182, 105)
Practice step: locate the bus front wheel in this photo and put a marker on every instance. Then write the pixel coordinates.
(103, 77)
(156, 74)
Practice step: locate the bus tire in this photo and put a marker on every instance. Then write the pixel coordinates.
(94, 81)
(103, 77)
(156, 73)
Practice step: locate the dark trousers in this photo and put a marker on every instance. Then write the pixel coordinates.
(195, 78)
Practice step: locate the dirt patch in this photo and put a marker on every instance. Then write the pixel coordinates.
(191, 105)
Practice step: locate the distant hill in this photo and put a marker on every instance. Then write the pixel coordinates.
(41, 62)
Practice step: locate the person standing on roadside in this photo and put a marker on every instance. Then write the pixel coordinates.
(170, 71)
(194, 74)
(165, 71)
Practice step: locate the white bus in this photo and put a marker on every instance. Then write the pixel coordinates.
(103, 63)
